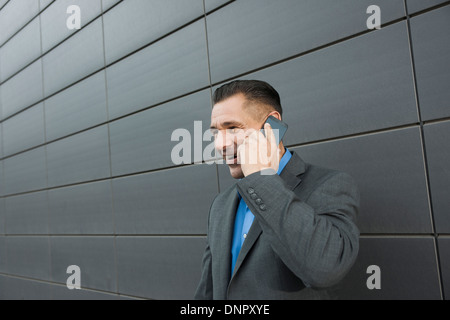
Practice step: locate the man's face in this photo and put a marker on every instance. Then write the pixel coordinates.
(230, 122)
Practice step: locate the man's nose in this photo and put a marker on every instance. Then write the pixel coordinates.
(223, 141)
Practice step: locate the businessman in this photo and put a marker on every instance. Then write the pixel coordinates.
(286, 229)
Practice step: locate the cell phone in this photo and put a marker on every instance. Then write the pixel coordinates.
(278, 126)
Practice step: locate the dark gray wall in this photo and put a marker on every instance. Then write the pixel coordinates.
(86, 119)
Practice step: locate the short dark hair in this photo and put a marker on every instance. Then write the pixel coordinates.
(254, 91)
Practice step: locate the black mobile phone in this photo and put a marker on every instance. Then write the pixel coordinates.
(279, 128)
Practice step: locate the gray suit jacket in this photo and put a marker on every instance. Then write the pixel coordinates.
(302, 242)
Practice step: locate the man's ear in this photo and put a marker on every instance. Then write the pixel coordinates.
(275, 114)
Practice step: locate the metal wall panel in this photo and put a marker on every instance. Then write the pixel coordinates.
(74, 59)
(438, 156)
(417, 5)
(24, 131)
(444, 257)
(93, 255)
(2, 253)
(134, 24)
(77, 108)
(78, 158)
(2, 3)
(2, 181)
(144, 204)
(54, 20)
(107, 4)
(2, 216)
(348, 88)
(14, 15)
(431, 45)
(28, 42)
(213, 4)
(61, 293)
(43, 4)
(150, 267)
(25, 172)
(28, 256)
(23, 90)
(143, 141)
(273, 31)
(81, 209)
(388, 165)
(1, 140)
(171, 67)
(20, 289)
(27, 214)
(408, 270)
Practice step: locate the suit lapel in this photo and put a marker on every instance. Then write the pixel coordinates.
(225, 236)
(253, 234)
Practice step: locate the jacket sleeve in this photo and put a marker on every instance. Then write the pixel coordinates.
(317, 238)
(205, 287)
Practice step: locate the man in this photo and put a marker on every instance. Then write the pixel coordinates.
(286, 229)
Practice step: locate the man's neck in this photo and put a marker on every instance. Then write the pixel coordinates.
(282, 150)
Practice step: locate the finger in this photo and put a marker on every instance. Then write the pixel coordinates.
(241, 153)
(271, 138)
(244, 150)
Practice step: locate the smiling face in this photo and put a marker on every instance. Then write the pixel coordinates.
(230, 120)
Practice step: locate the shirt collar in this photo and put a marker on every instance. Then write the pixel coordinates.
(284, 160)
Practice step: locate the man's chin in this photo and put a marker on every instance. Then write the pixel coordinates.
(236, 171)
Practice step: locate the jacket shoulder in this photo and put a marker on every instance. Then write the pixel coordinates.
(316, 176)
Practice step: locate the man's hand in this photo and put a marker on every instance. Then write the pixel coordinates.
(258, 153)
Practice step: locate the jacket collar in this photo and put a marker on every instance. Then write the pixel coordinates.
(294, 168)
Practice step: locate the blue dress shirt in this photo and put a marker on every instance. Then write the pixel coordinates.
(244, 218)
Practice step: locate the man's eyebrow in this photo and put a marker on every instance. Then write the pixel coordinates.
(228, 124)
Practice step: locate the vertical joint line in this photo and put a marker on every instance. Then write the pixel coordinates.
(207, 43)
(424, 150)
(109, 150)
(45, 144)
(210, 81)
